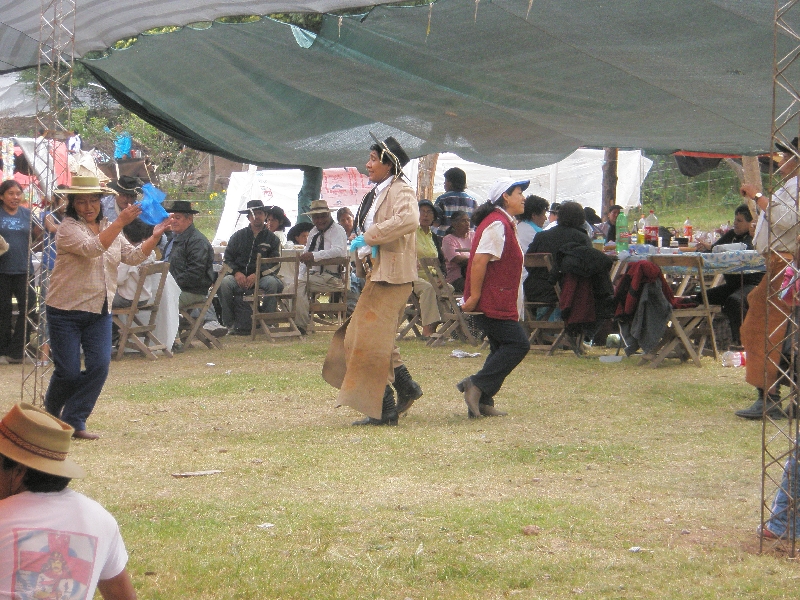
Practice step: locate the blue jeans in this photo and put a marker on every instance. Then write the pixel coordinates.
(72, 393)
(508, 346)
(778, 523)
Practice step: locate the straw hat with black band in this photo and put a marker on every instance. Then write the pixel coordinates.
(319, 207)
(84, 185)
(39, 441)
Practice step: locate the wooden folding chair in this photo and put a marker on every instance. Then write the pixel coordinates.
(453, 320)
(133, 333)
(411, 321)
(193, 330)
(545, 335)
(281, 323)
(689, 329)
(330, 315)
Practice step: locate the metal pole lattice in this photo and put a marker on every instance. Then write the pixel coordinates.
(53, 112)
(780, 427)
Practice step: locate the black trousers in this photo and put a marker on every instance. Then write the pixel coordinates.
(508, 346)
(12, 342)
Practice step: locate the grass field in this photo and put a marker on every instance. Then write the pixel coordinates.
(600, 459)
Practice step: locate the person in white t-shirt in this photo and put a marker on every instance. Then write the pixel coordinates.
(54, 542)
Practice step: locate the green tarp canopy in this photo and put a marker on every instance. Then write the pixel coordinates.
(509, 83)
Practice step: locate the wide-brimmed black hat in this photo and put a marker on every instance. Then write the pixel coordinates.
(181, 206)
(127, 185)
(783, 148)
(392, 148)
(254, 205)
(280, 216)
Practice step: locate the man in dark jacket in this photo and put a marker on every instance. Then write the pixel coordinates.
(240, 255)
(191, 262)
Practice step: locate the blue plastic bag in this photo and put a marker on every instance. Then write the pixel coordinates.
(152, 211)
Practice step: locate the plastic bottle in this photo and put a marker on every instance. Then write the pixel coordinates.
(623, 236)
(640, 231)
(734, 359)
(687, 229)
(651, 229)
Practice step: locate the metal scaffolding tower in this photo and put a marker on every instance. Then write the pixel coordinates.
(53, 111)
(779, 435)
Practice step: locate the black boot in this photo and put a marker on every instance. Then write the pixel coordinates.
(756, 411)
(388, 411)
(408, 390)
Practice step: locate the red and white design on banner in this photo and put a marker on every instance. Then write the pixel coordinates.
(52, 565)
(343, 187)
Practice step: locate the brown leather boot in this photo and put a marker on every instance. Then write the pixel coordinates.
(488, 410)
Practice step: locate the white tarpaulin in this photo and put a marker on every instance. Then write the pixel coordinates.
(340, 187)
(578, 177)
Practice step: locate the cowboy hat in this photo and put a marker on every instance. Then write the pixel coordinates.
(39, 441)
(85, 185)
(181, 206)
(280, 215)
(253, 205)
(394, 150)
(319, 207)
(127, 185)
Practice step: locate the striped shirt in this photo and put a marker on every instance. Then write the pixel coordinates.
(85, 274)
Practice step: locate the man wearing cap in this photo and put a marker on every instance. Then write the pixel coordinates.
(191, 262)
(327, 239)
(127, 189)
(54, 542)
(552, 216)
(453, 199)
(363, 359)
(241, 254)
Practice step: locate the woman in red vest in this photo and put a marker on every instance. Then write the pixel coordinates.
(491, 287)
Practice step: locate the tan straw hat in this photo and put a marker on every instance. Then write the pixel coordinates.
(39, 441)
(85, 185)
(319, 207)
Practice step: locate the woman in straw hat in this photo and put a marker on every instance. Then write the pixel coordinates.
(82, 287)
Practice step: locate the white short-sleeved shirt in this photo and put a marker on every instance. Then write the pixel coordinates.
(58, 544)
(492, 242)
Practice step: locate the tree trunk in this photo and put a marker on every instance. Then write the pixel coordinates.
(752, 174)
(425, 174)
(610, 157)
(212, 174)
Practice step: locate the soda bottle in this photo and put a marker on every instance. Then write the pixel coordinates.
(687, 229)
(640, 231)
(734, 359)
(623, 237)
(651, 229)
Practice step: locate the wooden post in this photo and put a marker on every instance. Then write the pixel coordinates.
(425, 174)
(752, 174)
(610, 158)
